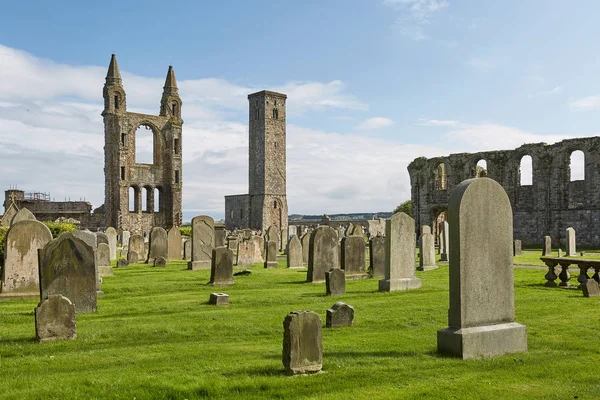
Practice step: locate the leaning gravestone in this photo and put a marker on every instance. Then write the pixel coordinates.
(547, 251)
(68, 268)
(305, 246)
(20, 276)
(590, 288)
(377, 256)
(245, 253)
(221, 269)
(103, 260)
(335, 282)
(55, 319)
(445, 243)
(323, 253)
(353, 256)
(111, 234)
(174, 242)
(571, 250)
(302, 342)
(157, 246)
(341, 314)
(426, 250)
(399, 254)
(22, 215)
(203, 242)
(517, 247)
(271, 261)
(482, 313)
(294, 253)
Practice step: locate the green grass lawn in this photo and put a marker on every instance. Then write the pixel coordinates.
(155, 337)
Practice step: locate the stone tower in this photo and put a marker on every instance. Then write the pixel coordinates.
(126, 182)
(265, 204)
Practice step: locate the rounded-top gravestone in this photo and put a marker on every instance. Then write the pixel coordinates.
(323, 253)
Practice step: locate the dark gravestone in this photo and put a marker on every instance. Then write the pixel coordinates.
(377, 256)
(294, 253)
(341, 314)
(160, 262)
(590, 288)
(517, 247)
(55, 319)
(335, 282)
(136, 245)
(323, 253)
(353, 256)
(302, 342)
(158, 245)
(221, 270)
(272, 250)
(132, 257)
(122, 263)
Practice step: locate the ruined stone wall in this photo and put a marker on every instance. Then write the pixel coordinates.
(548, 206)
(237, 211)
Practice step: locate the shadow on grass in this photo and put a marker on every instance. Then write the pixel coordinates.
(377, 354)
(30, 339)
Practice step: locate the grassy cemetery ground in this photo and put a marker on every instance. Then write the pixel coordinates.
(532, 257)
(154, 336)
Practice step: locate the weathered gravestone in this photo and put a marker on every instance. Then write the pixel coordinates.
(103, 260)
(220, 234)
(55, 319)
(294, 253)
(125, 235)
(547, 250)
(305, 246)
(160, 262)
(590, 288)
(335, 282)
(111, 235)
(272, 234)
(357, 230)
(377, 256)
(292, 231)
(482, 314)
(440, 244)
(560, 252)
(20, 278)
(101, 237)
(132, 257)
(22, 215)
(219, 299)
(187, 249)
(517, 247)
(302, 342)
(353, 257)
(444, 256)
(157, 245)
(203, 242)
(282, 240)
(88, 237)
(122, 263)
(426, 250)
(339, 315)
(571, 250)
(271, 261)
(323, 253)
(245, 253)
(259, 248)
(68, 268)
(349, 229)
(399, 254)
(174, 242)
(221, 269)
(232, 242)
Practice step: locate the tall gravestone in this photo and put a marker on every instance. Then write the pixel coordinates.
(22, 215)
(482, 313)
(187, 249)
(377, 256)
(221, 269)
(571, 250)
(174, 241)
(20, 276)
(440, 244)
(272, 250)
(282, 240)
(547, 250)
(353, 256)
(302, 342)
(245, 253)
(103, 260)
(305, 246)
(426, 250)
(323, 253)
(111, 234)
(157, 246)
(203, 242)
(68, 268)
(125, 235)
(444, 256)
(292, 231)
(399, 254)
(259, 248)
(294, 253)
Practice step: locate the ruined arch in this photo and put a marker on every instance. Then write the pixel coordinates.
(132, 199)
(441, 176)
(481, 168)
(526, 170)
(158, 199)
(144, 144)
(576, 165)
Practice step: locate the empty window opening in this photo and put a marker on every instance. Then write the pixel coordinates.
(132, 199)
(275, 204)
(481, 169)
(275, 144)
(145, 199)
(122, 173)
(275, 114)
(526, 171)
(241, 213)
(440, 177)
(123, 139)
(116, 102)
(174, 109)
(144, 145)
(176, 146)
(157, 200)
(231, 214)
(176, 176)
(257, 114)
(577, 166)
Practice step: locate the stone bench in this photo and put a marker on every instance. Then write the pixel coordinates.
(582, 263)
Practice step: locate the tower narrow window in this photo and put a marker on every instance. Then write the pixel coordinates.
(257, 114)
(241, 213)
(132, 192)
(176, 176)
(144, 145)
(157, 200)
(577, 166)
(123, 139)
(145, 198)
(176, 146)
(275, 114)
(122, 173)
(275, 204)
(116, 102)
(174, 109)
(526, 170)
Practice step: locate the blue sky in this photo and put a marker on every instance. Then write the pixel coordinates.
(371, 85)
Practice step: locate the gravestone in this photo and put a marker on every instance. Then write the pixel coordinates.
(302, 342)
(246, 234)
(271, 261)
(160, 262)
(517, 247)
(560, 252)
(136, 244)
(22, 215)
(125, 235)
(399, 254)
(292, 231)
(426, 250)
(294, 253)
(482, 314)
(219, 299)
(88, 237)
(103, 260)
(203, 242)
(590, 288)
(353, 257)
(187, 249)
(323, 253)
(220, 234)
(111, 234)
(132, 257)
(174, 242)
(122, 263)
(377, 256)
(68, 268)
(444, 256)
(232, 242)
(547, 250)
(259, 248)
(221, 269)
(20, 277)
(282, 240)
(339, 315)
(272, 234)
(305, 246)
(349, 229)
(440, 244)
(335, 282)
(357, 230)
(101, 237)
(157, 245)
(571, 250)
(245, 253)
(55, 319)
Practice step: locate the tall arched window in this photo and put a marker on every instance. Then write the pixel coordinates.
(577, 166)
(481, 169)
(440, 177)
(275, 114)
(526, 170)
(132, 194)
(144, 145)
(157, 200)
(145, 202)
(275, 204)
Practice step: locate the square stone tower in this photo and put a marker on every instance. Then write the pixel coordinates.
(265, 204)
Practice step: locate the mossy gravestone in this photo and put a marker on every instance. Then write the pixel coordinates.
(103, 260)
(68, 268)
(377, 256)
(482, 312)
(203, 242)
(157, 244)
(302, 342)
(136, 245)
(353, 256)
(22, 215)
(221, 270)
(272, 250)
(55, 319)
(323, 253)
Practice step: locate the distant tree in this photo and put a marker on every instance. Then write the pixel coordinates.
(405, 207)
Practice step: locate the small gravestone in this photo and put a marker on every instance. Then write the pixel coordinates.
(272, 234)
(111, 235)
(339, 315)
(560, 252)
(353, 256)
(103, 260)
(426, 250)
(377, 256)
(22, 215)
(221, 270)
(271, 261)
(245, 253)
(187, 249)
(335, 282)
(122, 263)
(547, 251)
(517, 247)
(220, 234)
(294, 252)
(302, 343)
(136, 244)
(55, 319)
(445, 243)
(157, 245)
(101, 237)
(590, 288)
(174, 242)
(132, 257)
(203, 242)
(305, 246)
(160, 262)
(323, 253)
(125, 235)
(219, 299)
(357, 230)
(571, 248)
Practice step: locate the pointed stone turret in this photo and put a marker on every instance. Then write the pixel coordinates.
(113, 76)
(113, 92)
(170, 104)
(170, 82)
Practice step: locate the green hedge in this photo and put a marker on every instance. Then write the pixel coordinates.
(185, 230)
(59, 227)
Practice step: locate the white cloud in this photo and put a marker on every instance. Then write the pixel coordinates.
(374, 123)
(437, 122)
(589, 103)
(553, 91)
(414, 15)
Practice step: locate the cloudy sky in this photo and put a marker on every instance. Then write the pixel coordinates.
(371, 85)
